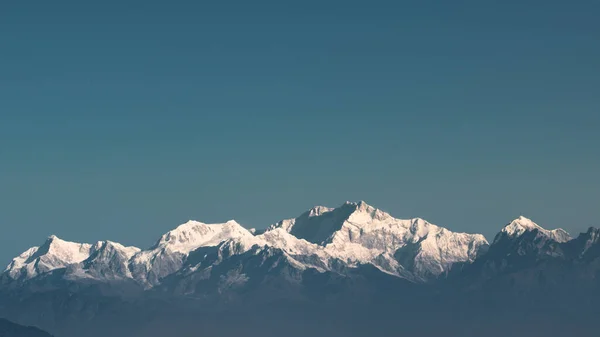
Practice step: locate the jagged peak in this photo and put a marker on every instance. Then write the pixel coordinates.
(521, 225)
(343, 211)
(363, 212)
(318, 210)
(360, 205)
(107, 244)
(53, 239)
(54, 253)
(109, 248)
(193, 225)
(194, 234)
(593, 230)
(347, 207)
(67, 251)
(591, 235)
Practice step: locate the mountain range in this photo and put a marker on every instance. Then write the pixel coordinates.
(364, 270)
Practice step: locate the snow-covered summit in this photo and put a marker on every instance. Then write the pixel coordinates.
(127, 251)
(194, 234)
(56, 253)
(65, 251)
(53, 254)
(170, 252)
(319, 210)
(315, 225)
(358, 233)
(319, 224)
(522, 224)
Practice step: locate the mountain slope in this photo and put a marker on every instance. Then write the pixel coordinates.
(527, 258)
(586, 246)
(522, 225)
(358, 234)
(104, 261)
(53, 254)
(172, 249)
(10, 329)
(524, 241)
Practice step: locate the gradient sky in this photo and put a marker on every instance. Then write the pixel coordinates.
(120, 120)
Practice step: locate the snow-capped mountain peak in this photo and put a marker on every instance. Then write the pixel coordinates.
(319, 224)
(55, 253)
(115, 246)
(194, 234)
(364, 212)
(170, 252)
(66, 251)
(358, 233)
(319, 210)
(522, 224)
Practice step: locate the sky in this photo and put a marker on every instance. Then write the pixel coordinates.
(120, 120)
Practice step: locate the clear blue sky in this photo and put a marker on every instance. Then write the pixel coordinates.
(120, 119)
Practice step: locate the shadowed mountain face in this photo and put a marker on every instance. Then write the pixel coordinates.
(10, 329)
(348, 271)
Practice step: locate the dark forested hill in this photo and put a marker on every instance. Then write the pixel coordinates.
(10, 329)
